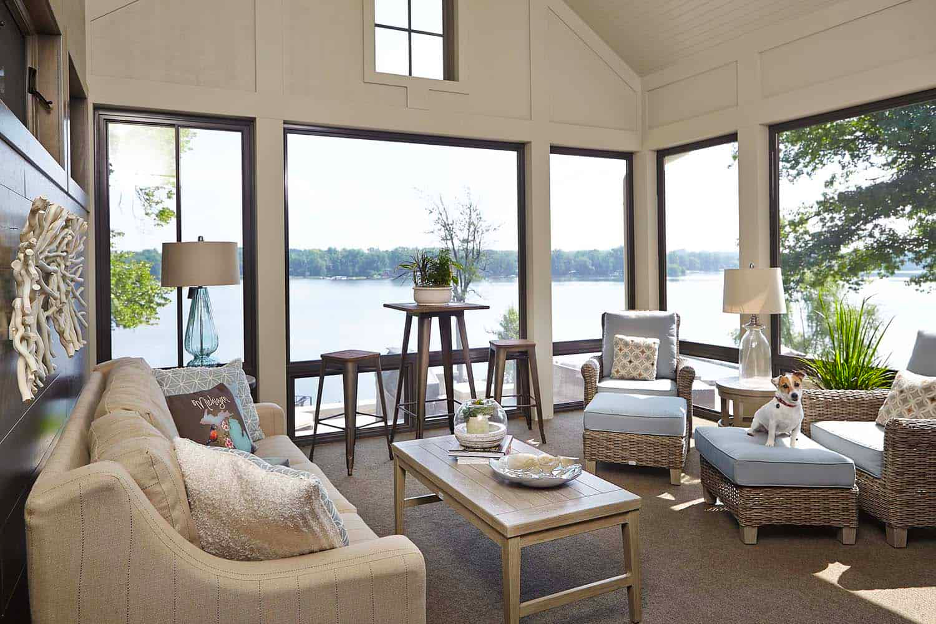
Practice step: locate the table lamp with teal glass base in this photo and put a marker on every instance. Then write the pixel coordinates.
(198, 265)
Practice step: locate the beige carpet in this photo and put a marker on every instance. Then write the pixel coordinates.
(695, 568)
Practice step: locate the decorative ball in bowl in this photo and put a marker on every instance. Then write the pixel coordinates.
(480, 424)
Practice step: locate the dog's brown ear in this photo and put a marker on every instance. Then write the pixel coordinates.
(776, 382)
(799, 375)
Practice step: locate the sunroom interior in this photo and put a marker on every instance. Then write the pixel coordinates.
(572, 158)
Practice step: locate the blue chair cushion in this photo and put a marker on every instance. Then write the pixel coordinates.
(863, 442)
(633, 413)
(654, 387)
(745, 460)
(660, 325)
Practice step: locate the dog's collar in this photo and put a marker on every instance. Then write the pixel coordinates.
(779, 400)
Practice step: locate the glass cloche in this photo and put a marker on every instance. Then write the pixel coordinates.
(480, 423)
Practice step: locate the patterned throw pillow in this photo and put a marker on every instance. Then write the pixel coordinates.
(635, 358)
(187, 380)
(210, 417)
(911, 396)
(247, 510)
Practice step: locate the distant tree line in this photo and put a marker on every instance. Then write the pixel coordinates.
(376, 263)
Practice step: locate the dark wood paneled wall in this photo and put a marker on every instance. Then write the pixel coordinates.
(27, 432)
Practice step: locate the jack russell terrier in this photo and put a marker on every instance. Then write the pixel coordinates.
(784, 412)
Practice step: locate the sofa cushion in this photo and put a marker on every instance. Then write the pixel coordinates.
(282, 446)
(659, 325)
(247, 510)
(635, 358)
(186, 380)
(131, 386)
(923, 358)
(745, 460)
(862, 441)
(357, 529)
(145, 453)
(628, 413)
(910, 396)
(657, 387)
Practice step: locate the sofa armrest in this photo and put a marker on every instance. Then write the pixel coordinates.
(591, 371)
(272, 419)
(685, 375)
(850, 405)
(96, 545)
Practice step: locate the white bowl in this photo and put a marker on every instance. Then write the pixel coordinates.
(496, 433)
(529, 478)
(426, 295)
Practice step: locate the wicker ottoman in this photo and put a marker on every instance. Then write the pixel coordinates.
(806, 485)
(638, 430)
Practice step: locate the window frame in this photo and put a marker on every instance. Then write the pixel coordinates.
(301, 369)
(593, 345)
(448, 65)
(102, 118)
(787, 362)
(686, 347)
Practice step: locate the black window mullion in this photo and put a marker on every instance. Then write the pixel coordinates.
(409, 33)
(178, 215)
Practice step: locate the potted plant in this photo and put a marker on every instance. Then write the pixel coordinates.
(433, 276)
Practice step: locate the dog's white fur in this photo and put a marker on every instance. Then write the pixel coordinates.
(783, 413)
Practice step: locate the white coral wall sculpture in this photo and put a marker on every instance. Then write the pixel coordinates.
(47, 271)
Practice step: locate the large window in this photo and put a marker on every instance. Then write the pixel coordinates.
(855, 220)
(359, 203)
(413, 38)
(164, 179)
(592, 257)
(697, 187)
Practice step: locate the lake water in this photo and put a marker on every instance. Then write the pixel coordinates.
(330, 314)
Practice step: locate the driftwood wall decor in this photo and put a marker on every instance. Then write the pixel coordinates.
(47, 271)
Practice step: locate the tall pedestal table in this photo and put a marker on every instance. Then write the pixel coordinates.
(424, 314)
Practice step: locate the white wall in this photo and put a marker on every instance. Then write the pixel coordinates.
(536, 74)
(850, 53)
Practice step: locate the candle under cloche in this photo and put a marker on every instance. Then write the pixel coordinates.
(480, 423)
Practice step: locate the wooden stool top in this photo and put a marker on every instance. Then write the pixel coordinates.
(513, 343)
(350, 355)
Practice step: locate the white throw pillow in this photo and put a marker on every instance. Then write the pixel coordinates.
(911, 396)
(247, 510)
(635, 357)
(175, 381)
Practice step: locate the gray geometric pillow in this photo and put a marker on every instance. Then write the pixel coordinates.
(290, 472)
(175, 381)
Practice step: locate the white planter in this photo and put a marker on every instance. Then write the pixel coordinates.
(432, 296)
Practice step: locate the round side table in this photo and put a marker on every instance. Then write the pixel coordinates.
(746, 397)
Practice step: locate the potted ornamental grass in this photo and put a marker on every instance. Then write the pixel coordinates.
(433, 276)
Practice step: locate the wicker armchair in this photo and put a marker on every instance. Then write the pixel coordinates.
(644, 450)
(905, 495)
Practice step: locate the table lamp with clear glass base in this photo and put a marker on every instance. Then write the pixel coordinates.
(197, 265)
(752, 292)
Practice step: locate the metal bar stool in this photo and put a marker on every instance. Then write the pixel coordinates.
(526, 367)
(349, 361)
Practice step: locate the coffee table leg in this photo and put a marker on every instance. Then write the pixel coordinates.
(399, 494)
(632, 564)
(510, 561)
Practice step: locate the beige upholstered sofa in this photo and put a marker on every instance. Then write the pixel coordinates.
(99, 551)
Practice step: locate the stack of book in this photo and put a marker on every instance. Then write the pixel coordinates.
(479, 456)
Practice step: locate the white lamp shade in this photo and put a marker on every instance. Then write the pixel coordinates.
(754, 291)
(200, 263)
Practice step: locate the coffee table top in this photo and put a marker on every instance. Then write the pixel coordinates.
(758, 388)
(511, 509)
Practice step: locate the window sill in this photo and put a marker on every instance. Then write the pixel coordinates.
(427, 84)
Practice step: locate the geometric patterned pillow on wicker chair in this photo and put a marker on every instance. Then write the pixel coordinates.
(635, 358)
(911, 396)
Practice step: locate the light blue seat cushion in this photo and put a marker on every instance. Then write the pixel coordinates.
(629, 413)
(660, 325)
(655, 387)
(863, 442)
(745, 460)
(923, 358)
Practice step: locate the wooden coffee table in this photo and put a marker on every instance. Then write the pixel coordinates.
(514, 516)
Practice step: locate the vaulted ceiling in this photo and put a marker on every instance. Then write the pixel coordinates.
(652, 34)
